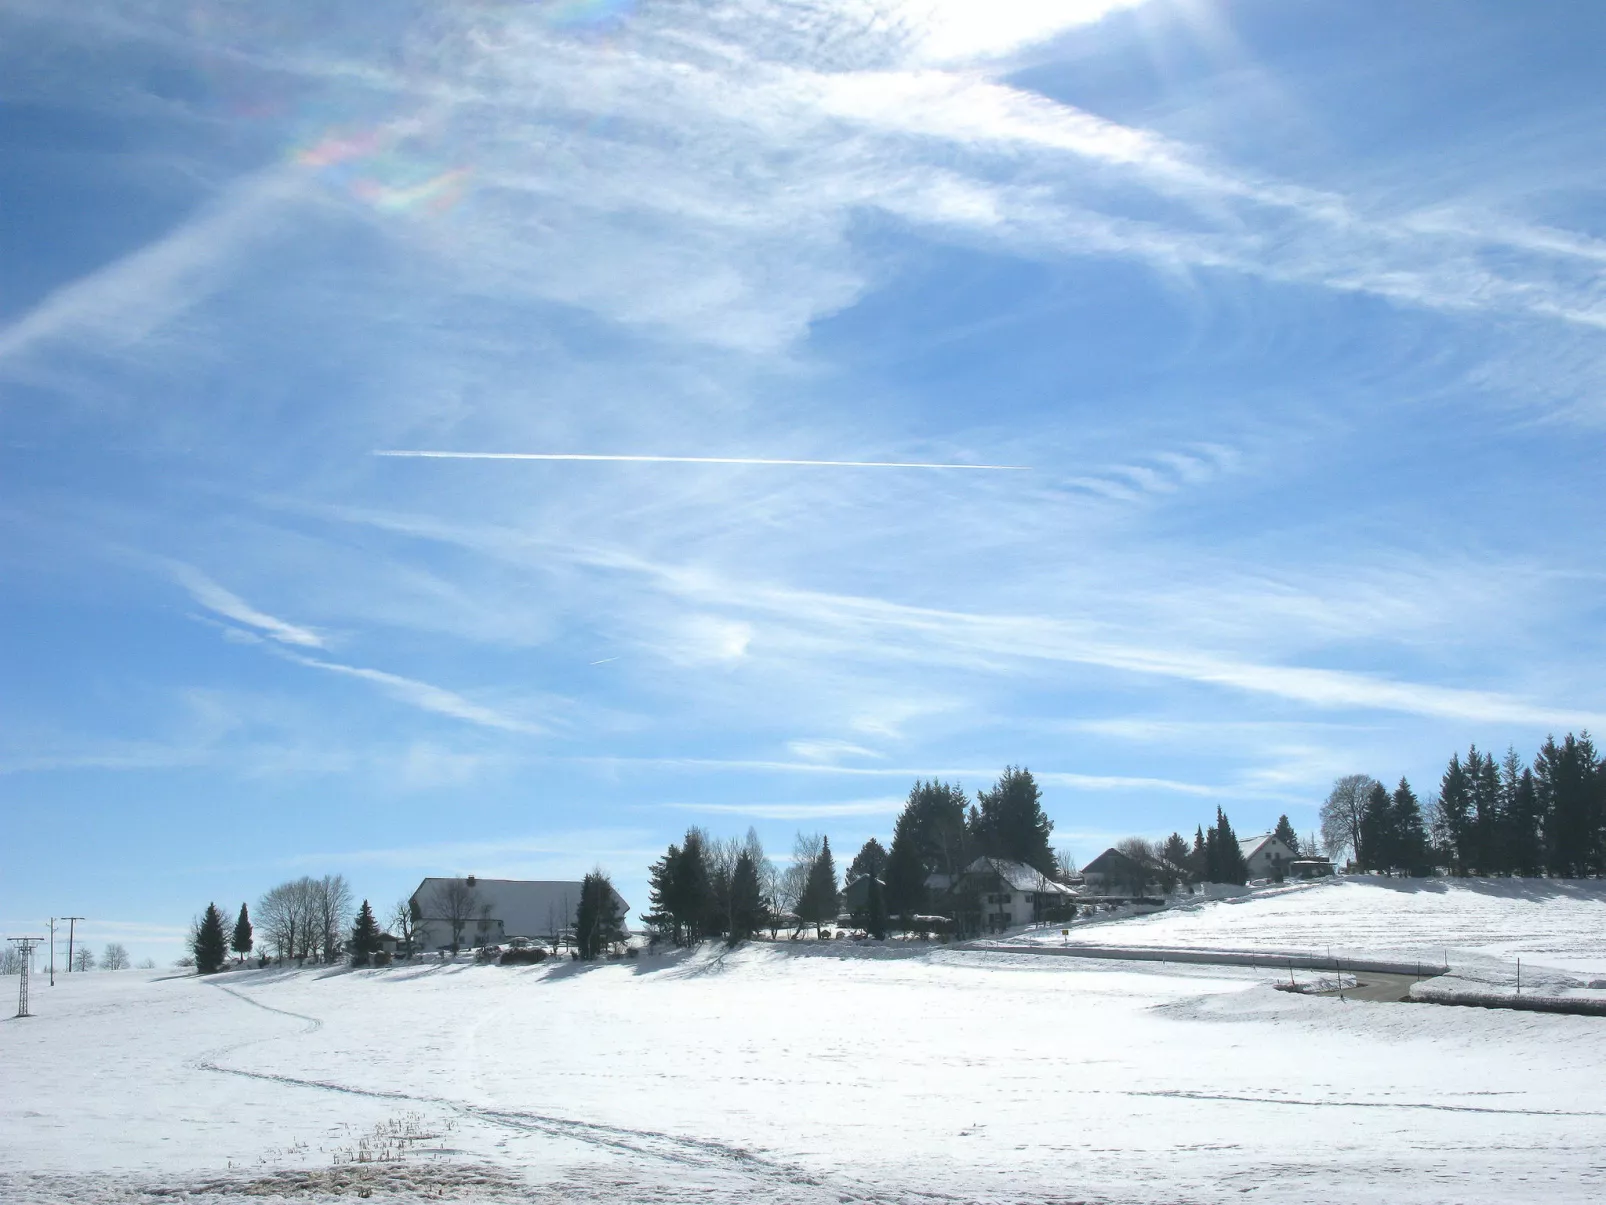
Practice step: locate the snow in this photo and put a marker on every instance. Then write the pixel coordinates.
(1481, 923)
(807, 1073)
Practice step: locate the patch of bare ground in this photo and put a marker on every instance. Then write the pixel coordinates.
(378, 1182)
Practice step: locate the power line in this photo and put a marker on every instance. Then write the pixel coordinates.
(25, 947)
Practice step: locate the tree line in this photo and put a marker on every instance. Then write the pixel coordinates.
(706, 887)
(314, 919)
(1547, 817)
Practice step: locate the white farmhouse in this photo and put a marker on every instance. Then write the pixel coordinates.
(1009, 894)
(1267, 856)
(493, 910)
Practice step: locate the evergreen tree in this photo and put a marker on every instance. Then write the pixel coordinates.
(1199, 857)
(694, 895)
(1212, 854)
(930, 837)
(661, 896)
(871, 859)
(1284, 832)
(1453, 816)
(598, 922)
(747, 912)
(1524, 817)
(1175, 851)
(1488, 825)
(1229, 857)
(210, 947)
(876, 905)
(1011, 823)
(241, 940)
(364, 936)
(1377, 846)
(818, 905)
(1410, 838)
(1568, 781)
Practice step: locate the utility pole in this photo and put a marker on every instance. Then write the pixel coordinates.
(25, 947)
(52, 951)
(72, 926)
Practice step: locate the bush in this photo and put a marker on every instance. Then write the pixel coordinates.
(381, 958)
(525, 957)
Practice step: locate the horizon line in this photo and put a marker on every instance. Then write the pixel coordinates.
(423, 454)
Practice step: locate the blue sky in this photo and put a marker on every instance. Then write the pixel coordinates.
(1293, 314)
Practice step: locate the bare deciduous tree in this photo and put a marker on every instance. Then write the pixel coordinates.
(306, 917)
(1065, 868)
(795, 878)
(456, 903)
(114, 957)
(402, 920)
(1341, 814)
(332, 911)
(83, 959)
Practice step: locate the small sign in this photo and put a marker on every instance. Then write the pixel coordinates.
(1065, 932)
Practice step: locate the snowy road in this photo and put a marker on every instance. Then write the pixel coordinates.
(796, 1075)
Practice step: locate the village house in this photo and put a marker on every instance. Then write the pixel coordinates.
(1116, 873)
(1267, 857)
(493, 911)
(993, 894)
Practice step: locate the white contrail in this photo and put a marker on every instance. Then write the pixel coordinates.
(836, 464)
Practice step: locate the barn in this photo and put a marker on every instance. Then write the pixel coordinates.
(471, 911)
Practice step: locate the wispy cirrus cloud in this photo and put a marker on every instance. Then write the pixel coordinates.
(426, 696)
(125, 301)
(231, 606)
(888, 806)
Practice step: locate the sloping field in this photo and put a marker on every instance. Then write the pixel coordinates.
(810, 1074)
(1551, 923)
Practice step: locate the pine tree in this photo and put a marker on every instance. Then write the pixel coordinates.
(1453, 816)
(1488, 824)
(871, 859)
(1175, 851)
(1284, 832)
(1568, 780)
(747, 912)
(1378, 845)
(364, 936)
(1011, 823)
(694, 892)
(1524, 817)
(876, 902)
(241, 941)
(1229, 857)
(210, 947)
(1410, 837)
(930, 837)
(661, 895)
(818, 905)
(1199, 857)
(598, 922)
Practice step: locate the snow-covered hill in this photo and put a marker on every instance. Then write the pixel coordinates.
(1554, 923)
(794, 1074)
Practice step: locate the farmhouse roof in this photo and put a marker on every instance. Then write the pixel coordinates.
(1250, 846)
(1019, 876)
(1113, 862)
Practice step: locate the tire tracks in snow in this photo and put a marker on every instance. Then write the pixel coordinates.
(699, 1153)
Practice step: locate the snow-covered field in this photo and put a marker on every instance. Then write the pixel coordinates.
(1550, 923)
(793, 1074)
